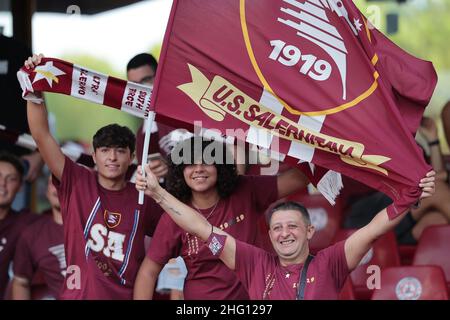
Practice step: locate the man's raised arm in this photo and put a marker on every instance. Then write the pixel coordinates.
(357, 245)
(38, 123)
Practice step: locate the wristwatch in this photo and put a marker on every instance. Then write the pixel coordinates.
(433, 143)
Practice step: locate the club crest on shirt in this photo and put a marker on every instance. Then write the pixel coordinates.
(112, 219)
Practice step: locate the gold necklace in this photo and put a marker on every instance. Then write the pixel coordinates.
(211, 212)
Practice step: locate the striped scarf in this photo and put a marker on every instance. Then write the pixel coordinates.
(58, 76)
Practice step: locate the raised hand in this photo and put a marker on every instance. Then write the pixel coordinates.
(149, 184)
(427, 185)
(159, 168)
(33, 61)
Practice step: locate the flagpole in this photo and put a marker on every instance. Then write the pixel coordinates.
(150, 119)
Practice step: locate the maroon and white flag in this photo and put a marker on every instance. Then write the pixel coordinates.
(58, 76)
(309, 79)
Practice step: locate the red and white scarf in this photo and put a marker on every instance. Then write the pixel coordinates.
(58, 76)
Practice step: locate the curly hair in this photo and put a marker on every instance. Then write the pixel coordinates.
(207, 152)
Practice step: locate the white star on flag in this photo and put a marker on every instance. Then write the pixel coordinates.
(47, 72)
(357, 24)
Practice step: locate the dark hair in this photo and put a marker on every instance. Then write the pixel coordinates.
(192, 151)
(14, 161)
(142, 59)
(289, 205)
(114, 135)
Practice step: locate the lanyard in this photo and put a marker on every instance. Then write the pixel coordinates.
(302, 282)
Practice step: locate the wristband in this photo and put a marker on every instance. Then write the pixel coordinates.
(215, 243)
(433, 143)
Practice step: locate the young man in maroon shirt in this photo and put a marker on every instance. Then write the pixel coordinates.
(104, 227)
(11, 222)
(269, 276)
(230, 202)
(41, 249)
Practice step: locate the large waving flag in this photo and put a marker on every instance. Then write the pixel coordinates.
(311, 75)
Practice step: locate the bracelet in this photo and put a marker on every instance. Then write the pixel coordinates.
(433, 143)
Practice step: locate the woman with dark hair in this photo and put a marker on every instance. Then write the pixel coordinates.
(202, 174)
(182, 159)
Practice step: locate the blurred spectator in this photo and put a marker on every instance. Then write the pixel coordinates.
(171, 279)
(445, 115)
(11, 222)
(434, 210)
(142, 69)
(41, 248)
(431, 145)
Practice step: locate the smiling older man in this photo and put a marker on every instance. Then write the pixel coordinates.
(285, 275)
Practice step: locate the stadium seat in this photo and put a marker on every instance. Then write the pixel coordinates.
(412, 283)
(383, 254)
(433, 249)
(325, 218)
(406, 254)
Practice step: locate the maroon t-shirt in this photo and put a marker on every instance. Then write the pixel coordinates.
(10, 228)
(208, 277)
(265, 278)
(104, 234)
(41, 248)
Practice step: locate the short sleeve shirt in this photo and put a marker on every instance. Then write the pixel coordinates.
(41, 248)
(104, 234)
(10, 229)
(266, 279)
